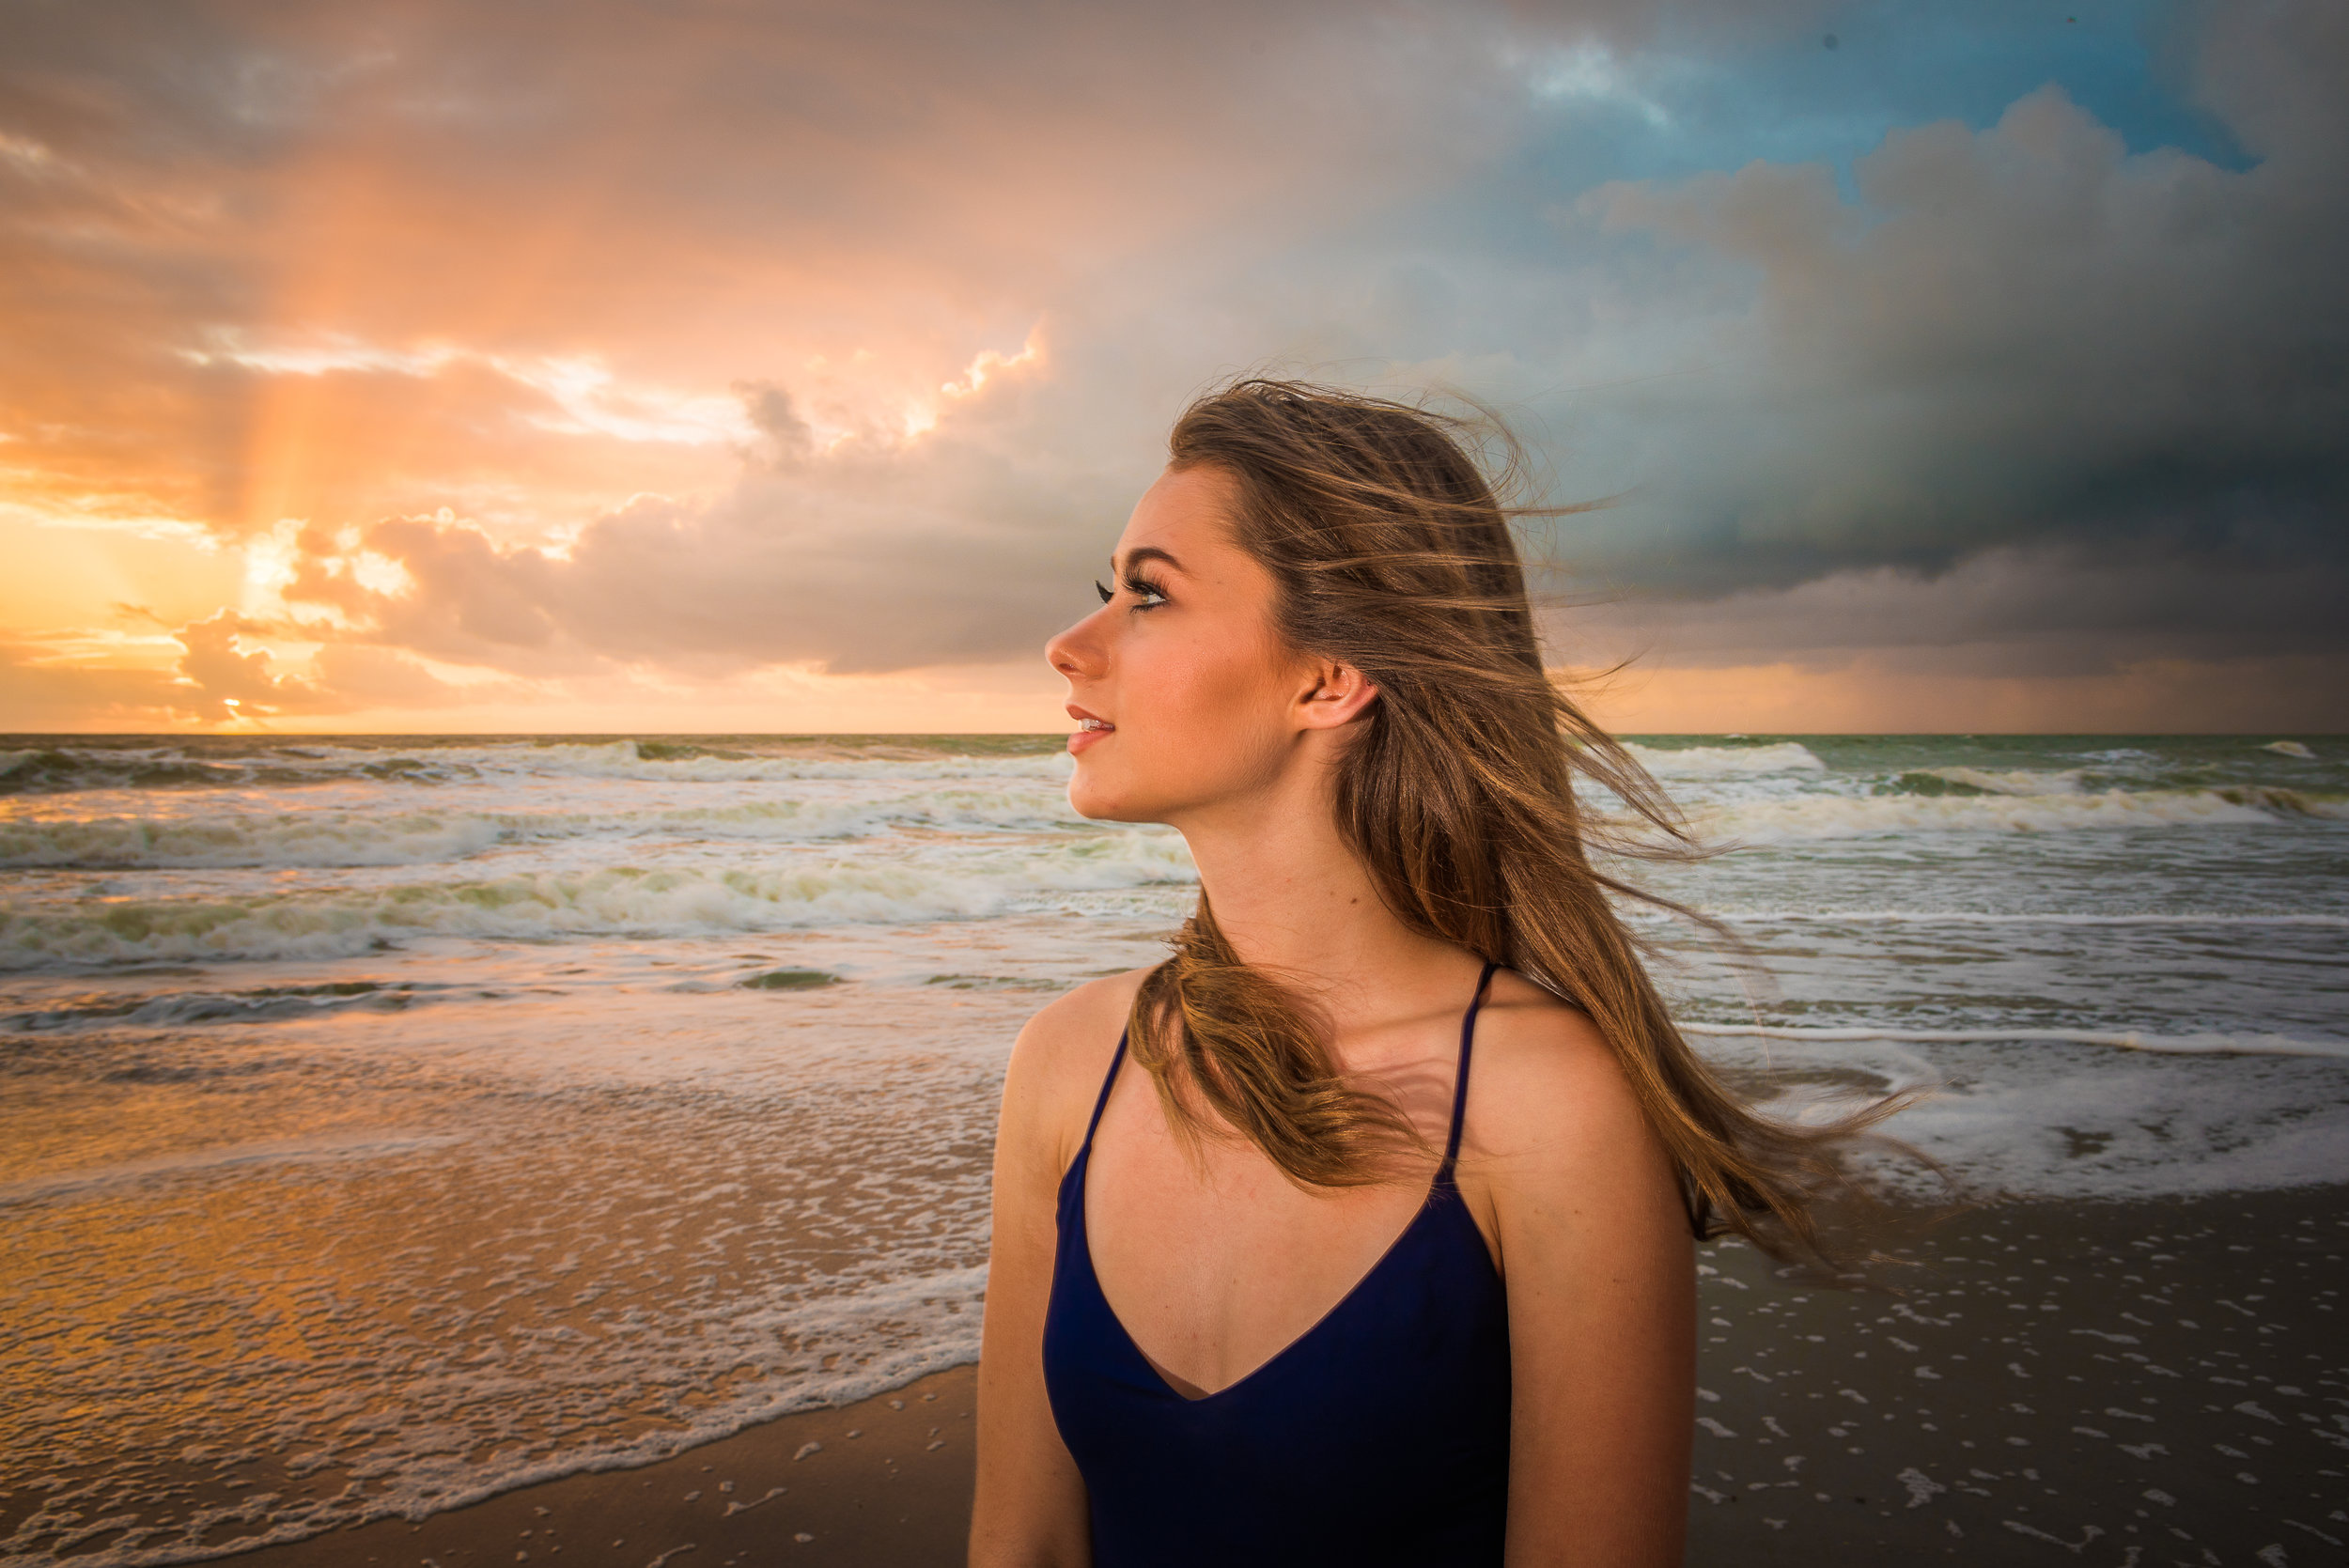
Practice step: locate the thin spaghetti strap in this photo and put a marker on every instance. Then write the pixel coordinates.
(1116, 1061)
(1459, 1081)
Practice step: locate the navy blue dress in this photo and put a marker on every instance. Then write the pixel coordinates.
(1380, 1435)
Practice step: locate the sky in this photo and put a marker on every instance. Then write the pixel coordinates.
(717, 366)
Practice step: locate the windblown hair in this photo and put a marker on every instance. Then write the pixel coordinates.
(1393, 553)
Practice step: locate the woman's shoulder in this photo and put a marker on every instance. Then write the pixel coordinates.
(1543, 1081)
(1062, 1055)
(1557, 1150)
(1082, 1024)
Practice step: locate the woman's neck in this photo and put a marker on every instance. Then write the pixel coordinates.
(1293, 899)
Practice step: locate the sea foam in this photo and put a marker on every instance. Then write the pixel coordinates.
(642, 903)
(330, 839)
(1829, 817)
(1711, 761)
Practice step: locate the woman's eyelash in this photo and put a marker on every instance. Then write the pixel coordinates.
(1140, 587)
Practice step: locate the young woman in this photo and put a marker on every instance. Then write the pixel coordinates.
(1358, 1232)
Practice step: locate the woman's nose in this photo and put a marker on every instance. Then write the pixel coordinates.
(1075, 652)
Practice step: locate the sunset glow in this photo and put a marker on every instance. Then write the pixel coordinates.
(431, 369)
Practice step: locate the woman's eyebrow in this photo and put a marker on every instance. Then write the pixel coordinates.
(1146, 553)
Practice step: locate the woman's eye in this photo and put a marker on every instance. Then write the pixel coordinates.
(1151, 598)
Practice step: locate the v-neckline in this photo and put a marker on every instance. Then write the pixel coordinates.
(1446, 1177)
(1084, 1180)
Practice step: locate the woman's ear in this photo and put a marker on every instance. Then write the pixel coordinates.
(1338, 694)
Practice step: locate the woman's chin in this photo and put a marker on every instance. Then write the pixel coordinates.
(1094, 801)
(1096, 810)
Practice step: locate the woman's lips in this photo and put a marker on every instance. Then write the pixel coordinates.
(1089, 732)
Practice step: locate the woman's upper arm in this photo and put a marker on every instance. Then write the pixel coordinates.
(1594, 1247)
(1030, 1507)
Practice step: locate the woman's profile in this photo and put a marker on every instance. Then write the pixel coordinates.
(1359, 1230)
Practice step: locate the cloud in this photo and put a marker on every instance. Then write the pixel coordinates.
(2008, 611)
(2024, 401)
(2015, 344)
(226, 670)
(1864, 694)
(39, 692)
(973, 541)
(222, 677)
(615, 344)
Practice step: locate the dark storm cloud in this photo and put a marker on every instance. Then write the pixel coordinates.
(2019, 611)
(2131, 371)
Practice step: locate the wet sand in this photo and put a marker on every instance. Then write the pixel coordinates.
(885, 1481)
(2122, 1383)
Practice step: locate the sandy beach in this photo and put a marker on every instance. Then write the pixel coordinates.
(883, 1481)
(2126, 1383)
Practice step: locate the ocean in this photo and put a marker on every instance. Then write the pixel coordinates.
(391, 1122)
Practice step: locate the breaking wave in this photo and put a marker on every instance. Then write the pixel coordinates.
(1830, 817)
(352, 838)
(261, 1005)
(1978, 780)
(1713, 762)
(61, 769)
(333, 921)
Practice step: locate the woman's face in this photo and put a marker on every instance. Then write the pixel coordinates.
(1195, 696)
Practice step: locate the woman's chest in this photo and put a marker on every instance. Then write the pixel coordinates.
(1214, 1262)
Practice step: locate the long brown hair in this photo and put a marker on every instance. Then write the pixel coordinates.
(1393, 553)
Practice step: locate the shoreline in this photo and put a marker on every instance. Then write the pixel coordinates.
(2151, 1378)
(886, 1480)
